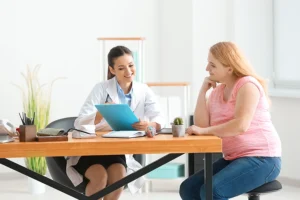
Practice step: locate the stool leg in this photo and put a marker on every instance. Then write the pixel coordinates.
(253, 197)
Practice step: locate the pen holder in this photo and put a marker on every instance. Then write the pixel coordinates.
(27, 133)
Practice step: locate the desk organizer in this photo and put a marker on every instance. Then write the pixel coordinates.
(27, 133)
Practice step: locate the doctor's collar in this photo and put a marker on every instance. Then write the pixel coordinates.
(121, 90)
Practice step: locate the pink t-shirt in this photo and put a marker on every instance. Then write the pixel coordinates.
(261, 139)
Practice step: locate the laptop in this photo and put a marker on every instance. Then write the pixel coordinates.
(165, 131)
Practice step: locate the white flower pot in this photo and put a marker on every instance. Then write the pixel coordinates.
(178, 130)
(36, 187)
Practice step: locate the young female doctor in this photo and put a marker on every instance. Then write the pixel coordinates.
(120, 88)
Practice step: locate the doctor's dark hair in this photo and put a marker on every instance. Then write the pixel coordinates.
(113, 54)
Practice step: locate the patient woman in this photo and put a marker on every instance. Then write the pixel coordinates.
(237, 111)
(120, 88)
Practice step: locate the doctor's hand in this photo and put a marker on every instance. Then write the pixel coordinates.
(140, 125)
(99, 116)
(195, 130)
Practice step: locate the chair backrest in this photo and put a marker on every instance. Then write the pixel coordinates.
(57, 165)
(64, 123)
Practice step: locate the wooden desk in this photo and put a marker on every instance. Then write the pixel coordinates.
(175, 147)
(112, 146)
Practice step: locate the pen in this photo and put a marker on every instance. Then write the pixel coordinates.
(22, 119)
(33, 118)
(25, 119)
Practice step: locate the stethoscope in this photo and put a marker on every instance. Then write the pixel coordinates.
(108, 99)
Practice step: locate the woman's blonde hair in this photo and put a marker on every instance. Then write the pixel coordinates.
(229, 55)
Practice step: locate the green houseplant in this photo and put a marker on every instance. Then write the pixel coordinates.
(36, 101)
(178, 129)
(178, 121)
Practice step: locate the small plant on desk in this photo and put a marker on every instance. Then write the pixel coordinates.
(178, 129)
(178, 121)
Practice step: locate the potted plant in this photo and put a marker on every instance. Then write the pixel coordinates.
(178, 129)
(36, 103)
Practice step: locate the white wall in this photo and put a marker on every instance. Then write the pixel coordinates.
(285, 116)
(212, 22)
(186, 37)
(287, 28)
(253, 33)
(62, 35)
(176, 40)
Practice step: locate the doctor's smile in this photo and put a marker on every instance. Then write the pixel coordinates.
(124, 69)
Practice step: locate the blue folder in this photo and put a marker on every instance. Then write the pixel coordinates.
(119, 116)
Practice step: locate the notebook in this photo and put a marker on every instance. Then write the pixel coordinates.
(124, 134)
(119, 116)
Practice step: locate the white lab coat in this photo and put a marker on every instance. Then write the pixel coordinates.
(143, 104)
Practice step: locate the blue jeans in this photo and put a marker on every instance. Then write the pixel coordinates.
(232, 178)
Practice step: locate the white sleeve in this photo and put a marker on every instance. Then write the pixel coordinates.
(88, 111)
(93, 99)
(152, 108)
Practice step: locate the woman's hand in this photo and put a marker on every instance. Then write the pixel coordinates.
(195, 130)
(141, 125)
(207, 84)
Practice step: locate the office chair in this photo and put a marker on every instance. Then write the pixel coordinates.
(272, 186)
(57, 165)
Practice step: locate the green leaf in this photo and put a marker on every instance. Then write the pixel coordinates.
(36, 99)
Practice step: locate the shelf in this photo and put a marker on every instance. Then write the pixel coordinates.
(121, 38)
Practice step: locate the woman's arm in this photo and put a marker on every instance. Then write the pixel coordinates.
(201, 114)
(246, 104)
